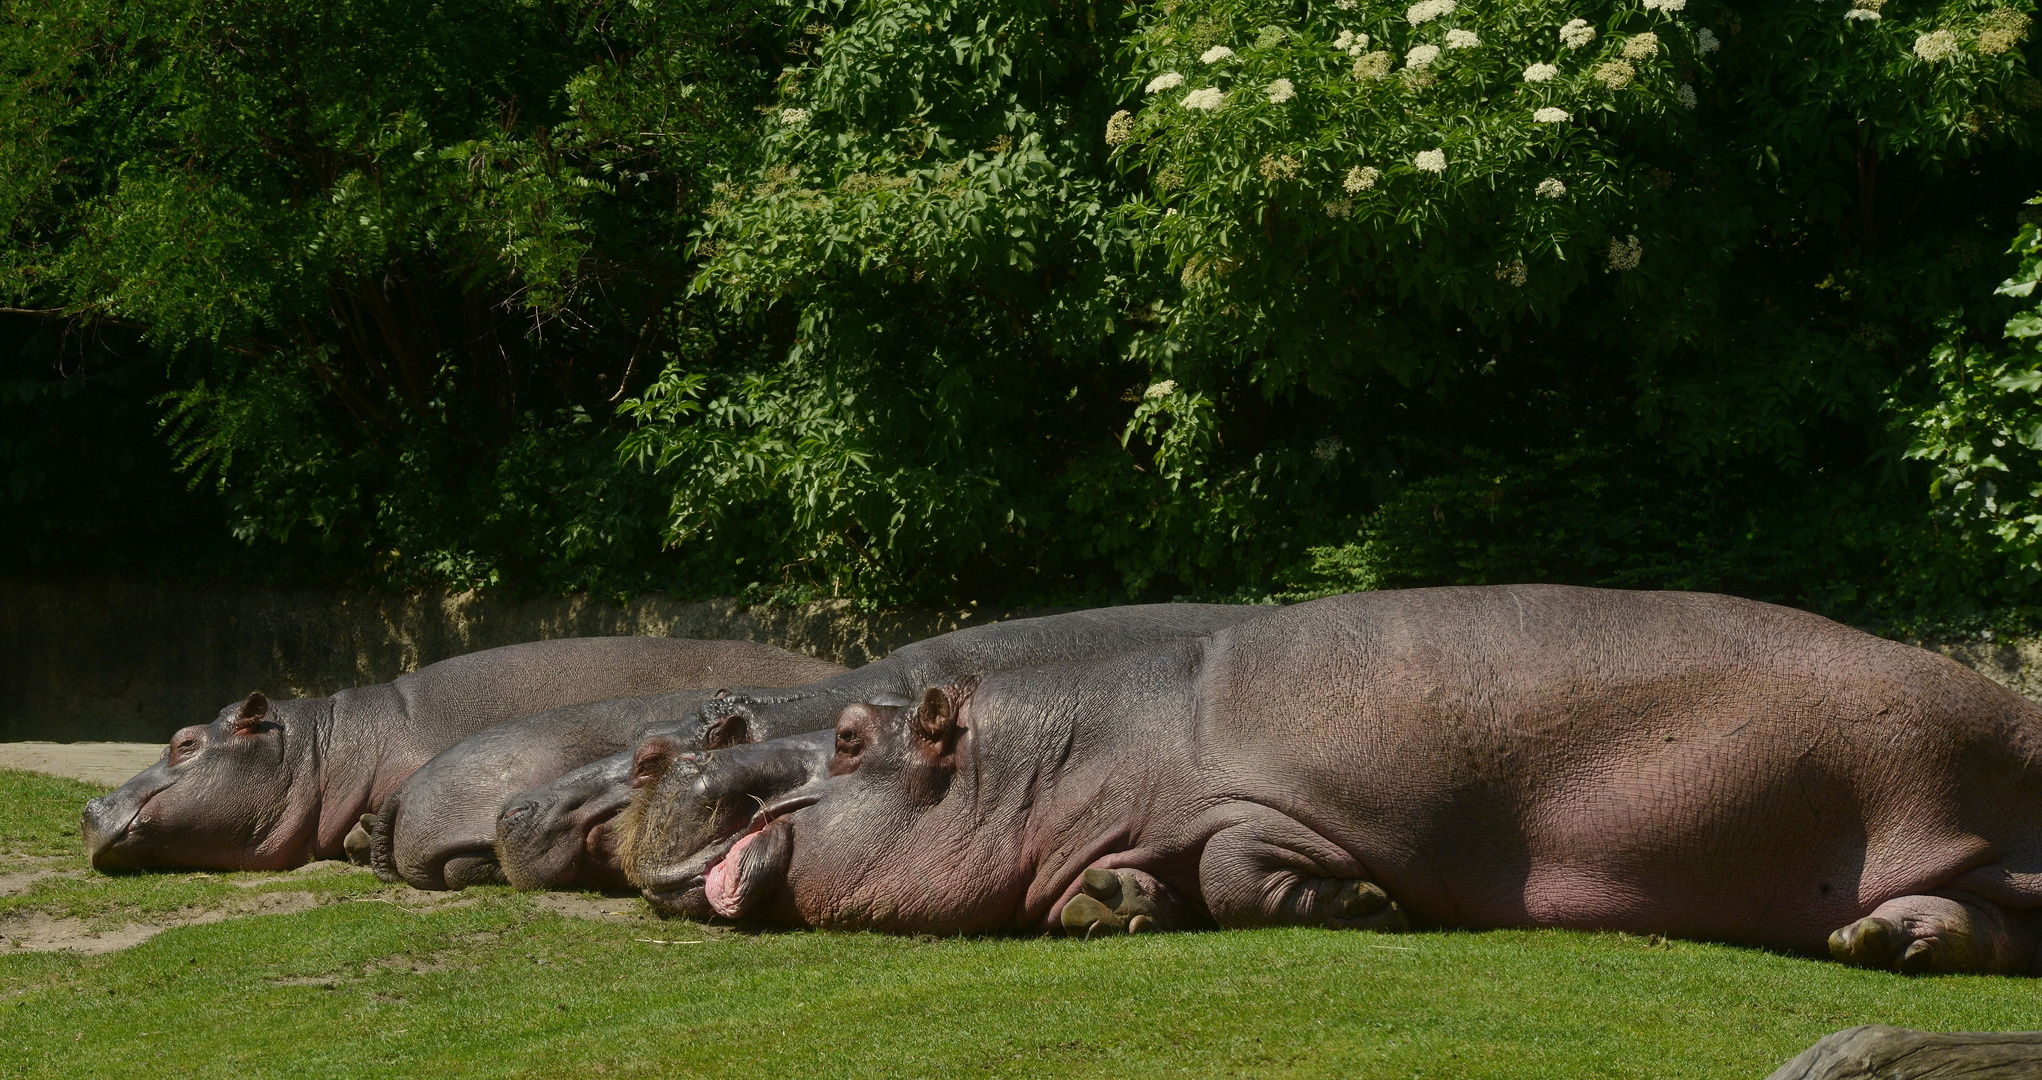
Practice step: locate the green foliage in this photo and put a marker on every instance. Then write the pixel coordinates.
(937, 300)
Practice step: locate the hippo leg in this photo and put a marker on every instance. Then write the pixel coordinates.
(1268, 870)
(1940, 933)
(360, 840)
(1121, 900)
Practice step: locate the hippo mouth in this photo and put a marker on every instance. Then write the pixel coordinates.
(111, 838)
(704, 884)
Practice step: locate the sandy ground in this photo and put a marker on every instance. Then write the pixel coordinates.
(109, 763)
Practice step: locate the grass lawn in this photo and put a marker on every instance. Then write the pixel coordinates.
(361, 979)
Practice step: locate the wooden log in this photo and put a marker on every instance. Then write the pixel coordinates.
(1879, 1052)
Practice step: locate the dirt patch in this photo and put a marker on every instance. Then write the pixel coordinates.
(108, 763)
(36, 931)
(614, 909)
(19, 881)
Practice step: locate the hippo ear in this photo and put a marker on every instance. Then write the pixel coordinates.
(252, 712)
(936, 719)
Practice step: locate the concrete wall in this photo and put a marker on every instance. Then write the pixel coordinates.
(111, 661)
(117, 662)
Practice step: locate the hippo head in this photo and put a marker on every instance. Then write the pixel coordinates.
(688, 808)
(220, 798)
(921, 835)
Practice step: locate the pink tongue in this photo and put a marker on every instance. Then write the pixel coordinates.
(718, 883)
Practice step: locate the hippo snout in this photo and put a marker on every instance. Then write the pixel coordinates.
(103, 824)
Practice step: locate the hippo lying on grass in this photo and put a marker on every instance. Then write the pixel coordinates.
(557, 835)
(1523, 756)
(271, 785)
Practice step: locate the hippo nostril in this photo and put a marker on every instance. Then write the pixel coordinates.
(512, 814)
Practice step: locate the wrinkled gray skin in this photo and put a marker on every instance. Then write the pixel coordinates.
(435, 832)
(272, 785)
(559, 835)
(1521, 756)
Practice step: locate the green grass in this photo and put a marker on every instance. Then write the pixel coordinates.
(501, 987)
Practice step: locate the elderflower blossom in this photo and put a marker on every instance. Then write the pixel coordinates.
(1616, 74)
(1215, 54)
(1935, 46)
(794, 117)
(1361, 178)
(1706, 41)
(1373, 65)
(1665, 5)
(1643, 46)
(2002, 29)
(1461, 39)
(1540, 73)
(1339, 208)
(1168, 80)
(1161, 390)
(1424, 11)
(1513, 272)
(1421, 55)
(1863, 14)
(1625, 254)
(1550, 188)
(1119, 128)
(1207, 99)
(1432, 161)
(1351, 43)
(1276, 167)
(1281, 90)
(1686, 93)
(1576, 33)
(1550, 115)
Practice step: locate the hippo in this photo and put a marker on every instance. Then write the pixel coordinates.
(557, 834)
(1681, 764)
(271, 785)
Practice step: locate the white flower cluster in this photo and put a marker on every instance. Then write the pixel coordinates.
(1373, 65)
(1665, 5)
(1207, 99)
(1935, 46)
(1576, 33)
(1161, 390)
(1865, 10)
(1215, 54)
(1346, 5)
(1625, 254)
(1686, 94)
(1550, 115)
(1339, 208)
(1351, 43)
(1328, 448)
(1281, 90)
(1540, 73)
(1513, 272)
(1361, 178)
(1643, 46)
(1616, 74)
(1119, 128)
(1424, 11)
(2001, 30)
(1461, 39)
(1280, 167)
(794, 117)
(1706, 41)
(1550, 188)
(1432, 161)
(1168, 80)
(1421, 55)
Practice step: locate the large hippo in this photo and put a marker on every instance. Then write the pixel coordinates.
(558, 834)
(271, 785)
(1516, 756)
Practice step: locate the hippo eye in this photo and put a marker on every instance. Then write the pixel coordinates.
(182, 749)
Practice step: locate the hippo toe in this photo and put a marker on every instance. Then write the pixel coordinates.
(1121, 901)
(1936, 934)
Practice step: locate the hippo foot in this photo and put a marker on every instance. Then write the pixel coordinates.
(1928, 935)
(1120, 901)
(360, 840)
(468, 871)
(1361, 905)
